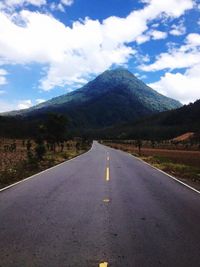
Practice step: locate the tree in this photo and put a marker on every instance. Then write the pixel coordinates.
(139, 145)
(39, 137)
(55, 127)
(28, 145)
(40, 150)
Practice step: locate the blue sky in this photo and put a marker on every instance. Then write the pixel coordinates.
(50, 47)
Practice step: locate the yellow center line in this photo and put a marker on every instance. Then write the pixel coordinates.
(103, 264)
(107, 174)
(106, 200)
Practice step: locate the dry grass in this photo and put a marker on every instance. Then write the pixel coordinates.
(184, 165)
(191, 158)
(15, 165)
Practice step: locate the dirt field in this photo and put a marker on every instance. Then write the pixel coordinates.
(8, 157)
(15, 164)
(183, 164)
(191, 158)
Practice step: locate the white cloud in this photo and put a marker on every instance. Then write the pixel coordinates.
(23, 104)
(39, 101)
(152, 34)
(143, 39)
(193, 39)
(57, 6)
(67, 2)
(5, 106)
(60, 6)
(156, 35)
(10, 3)
(184, 87)
(185, 56)
(178, 29)
(3, 74)
(2, 80)
(70, 54)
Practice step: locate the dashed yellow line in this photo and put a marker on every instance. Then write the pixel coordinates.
(106, 200)
(103, 264)
(107, 174)
(107, 168)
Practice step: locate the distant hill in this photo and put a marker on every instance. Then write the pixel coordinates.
(184, 137)
(164, 125)
(114, 97)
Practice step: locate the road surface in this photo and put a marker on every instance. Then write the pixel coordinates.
(104, 208)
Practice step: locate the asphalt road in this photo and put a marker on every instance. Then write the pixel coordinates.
(102, 207)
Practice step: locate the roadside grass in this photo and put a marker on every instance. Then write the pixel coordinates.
(179, 165)
(179, 170)
(16, 166)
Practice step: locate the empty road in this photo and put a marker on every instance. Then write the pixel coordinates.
(104, 208)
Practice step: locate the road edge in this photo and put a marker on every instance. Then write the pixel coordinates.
(34, 175)
(170, 176)
(167, 174)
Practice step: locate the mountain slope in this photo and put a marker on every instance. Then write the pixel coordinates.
(116, 96)
(164, 125)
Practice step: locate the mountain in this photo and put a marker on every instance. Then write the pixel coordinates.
(164, 125)
(115, 96)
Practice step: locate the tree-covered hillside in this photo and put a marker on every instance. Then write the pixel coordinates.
(164, 125)
(114, 97)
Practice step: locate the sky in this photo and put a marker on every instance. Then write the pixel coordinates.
(51, 47)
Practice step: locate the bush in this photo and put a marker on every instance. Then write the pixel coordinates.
(40, 151)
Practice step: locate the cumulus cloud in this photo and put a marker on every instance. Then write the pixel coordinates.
(67, 2)
(156, 35)
(152, 34)
(185, 56)
(57, 6)
(3, 74)
(39, 101)
(14, 3)
(70, 54)
(185, 85)
(23, 104)
(143, 38)
(61, 5)
(5, 106)
(178, 29)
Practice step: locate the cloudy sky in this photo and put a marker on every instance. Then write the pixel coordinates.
(50, 47)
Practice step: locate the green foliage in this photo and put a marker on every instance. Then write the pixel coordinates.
(55, 127)
(113, 98)
(40, 151)
(178, 169)
(28, 145)
(164, 125)
(115, 105)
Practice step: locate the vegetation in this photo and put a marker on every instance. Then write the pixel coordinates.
(167, 156)
(161, 126)
(114, 97)
(48, 144)
(185, 172)
(29, 158)
(114, 106)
